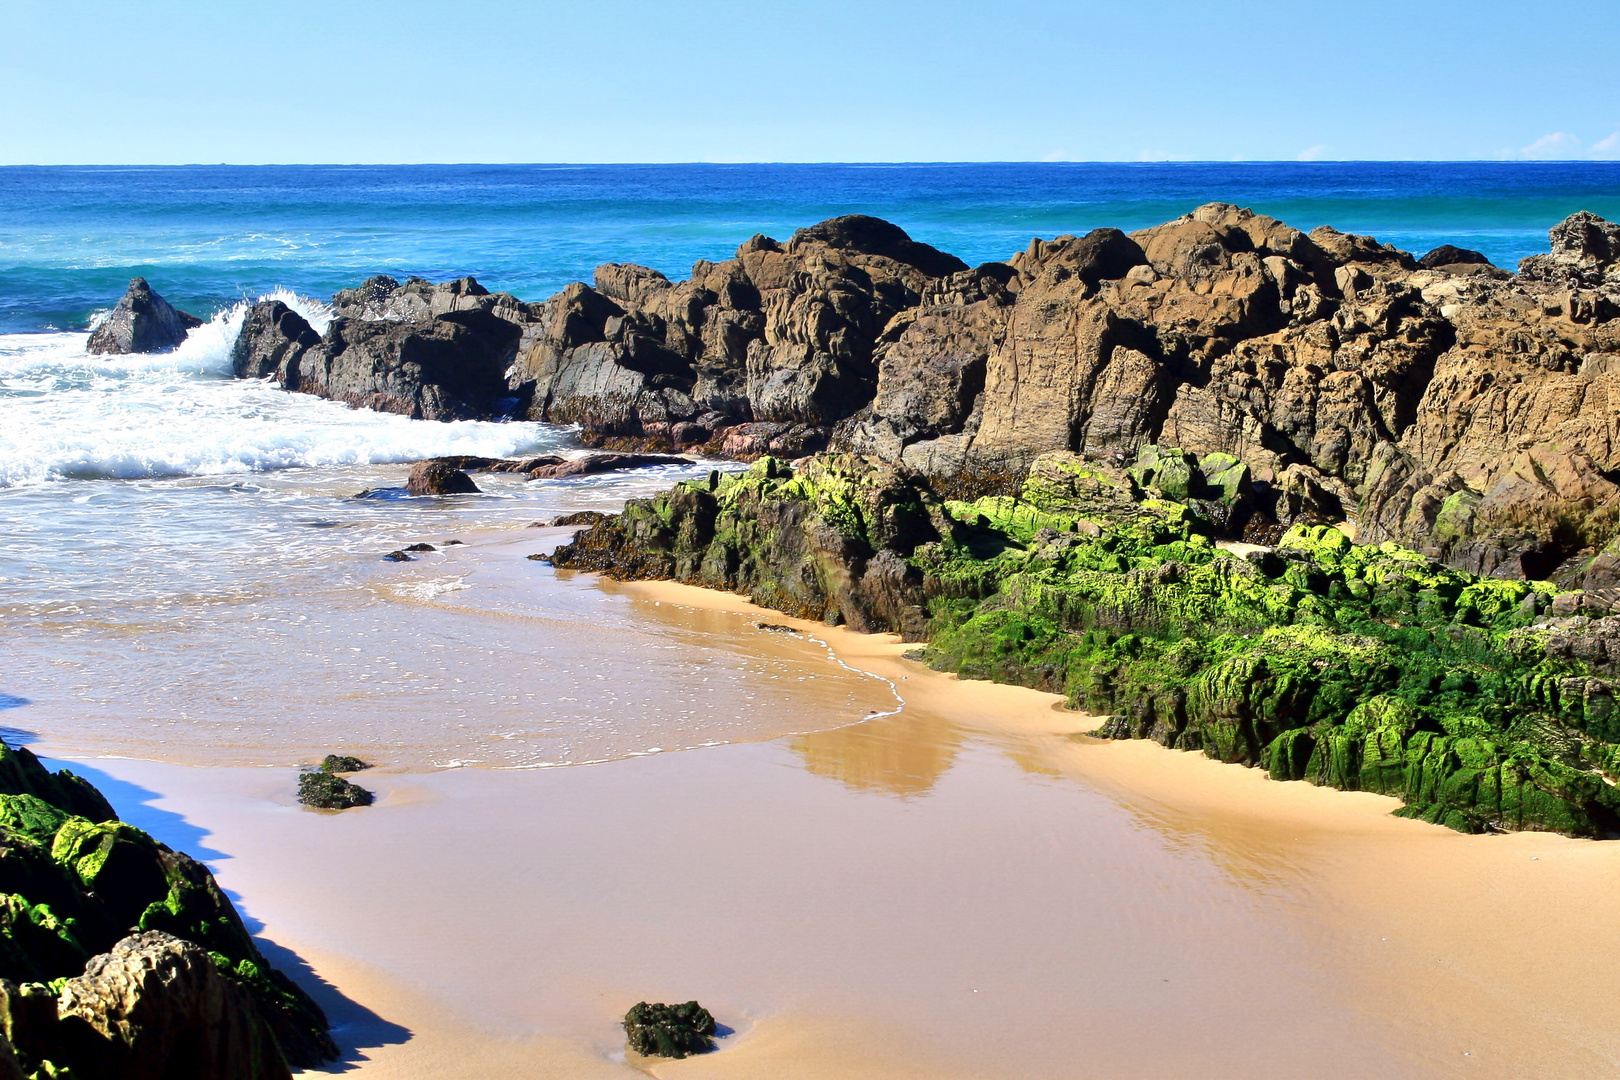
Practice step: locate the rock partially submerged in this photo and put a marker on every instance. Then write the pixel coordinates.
(672, 1031)
(438, 477)
(142, 322)
(342, 763)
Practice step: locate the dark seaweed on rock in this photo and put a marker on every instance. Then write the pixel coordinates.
(673, 1031)
(341, 763)
(325, 790)
(1481, 703)
(74, 880)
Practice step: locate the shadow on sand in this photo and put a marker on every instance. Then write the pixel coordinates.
(355, 1028)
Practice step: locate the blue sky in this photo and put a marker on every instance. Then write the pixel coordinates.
(175, 81)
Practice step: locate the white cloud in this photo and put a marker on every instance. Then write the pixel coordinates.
(1558, 146)
(1057, 155)
(1312, 153)
(1609, 147)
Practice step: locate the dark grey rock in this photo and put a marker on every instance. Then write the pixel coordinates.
(142, 322)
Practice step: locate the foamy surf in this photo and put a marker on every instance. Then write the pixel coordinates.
(65, 414)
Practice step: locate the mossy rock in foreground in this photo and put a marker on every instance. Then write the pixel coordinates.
(327, 791)
(673, 1031)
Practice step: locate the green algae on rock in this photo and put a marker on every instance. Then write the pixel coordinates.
(1476, 701)
(672, 1031)
(342, 763)
(74, 881)
(327, 791)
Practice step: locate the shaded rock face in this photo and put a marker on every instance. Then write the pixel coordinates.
(673, 1031)
(142, 322)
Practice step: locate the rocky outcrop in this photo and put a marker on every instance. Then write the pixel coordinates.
(1444, 403)
(1455, 408)
(142, 322)
(432, 352)
(192, 991)
(1480, 703)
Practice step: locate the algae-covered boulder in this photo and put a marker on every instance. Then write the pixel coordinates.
(829, 541)
(673, 1031)
(71, 888)
(328, 791)
(342, 763)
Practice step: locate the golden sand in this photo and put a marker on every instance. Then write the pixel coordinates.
(967, 888)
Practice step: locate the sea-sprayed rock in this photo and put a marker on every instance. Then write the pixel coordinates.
(142, 322)
(1481, 703)
(74, 880)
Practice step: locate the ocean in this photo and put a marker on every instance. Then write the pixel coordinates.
(152, 506)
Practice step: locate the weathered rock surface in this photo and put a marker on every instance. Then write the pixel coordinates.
(325, 790)
(155, 1008)
(1448, 405)
(142, 322)
(600, 463)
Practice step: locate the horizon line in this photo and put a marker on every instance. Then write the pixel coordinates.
(756, 164)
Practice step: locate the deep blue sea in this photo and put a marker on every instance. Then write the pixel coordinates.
(209, 236)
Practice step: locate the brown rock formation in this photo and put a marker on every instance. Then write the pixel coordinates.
(1450, 405)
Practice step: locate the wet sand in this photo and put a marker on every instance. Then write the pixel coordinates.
(967, 888)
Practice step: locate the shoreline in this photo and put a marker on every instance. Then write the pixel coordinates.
(1474, 986)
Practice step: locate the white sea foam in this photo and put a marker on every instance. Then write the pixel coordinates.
(65, 413)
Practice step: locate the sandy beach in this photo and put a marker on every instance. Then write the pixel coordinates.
(967, 887)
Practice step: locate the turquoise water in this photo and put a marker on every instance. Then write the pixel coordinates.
(208, 236)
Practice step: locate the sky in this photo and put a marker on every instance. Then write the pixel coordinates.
(346, 81)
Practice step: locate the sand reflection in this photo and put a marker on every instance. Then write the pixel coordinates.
(904, 754)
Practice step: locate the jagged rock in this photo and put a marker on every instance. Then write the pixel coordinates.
(673, 1031)
(439, 477)
(433, 352)
(271, 342)
(398, 556)
(142, 322)
(155, 1008)
(580, 517)
(341, 763)
(1447, 405)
